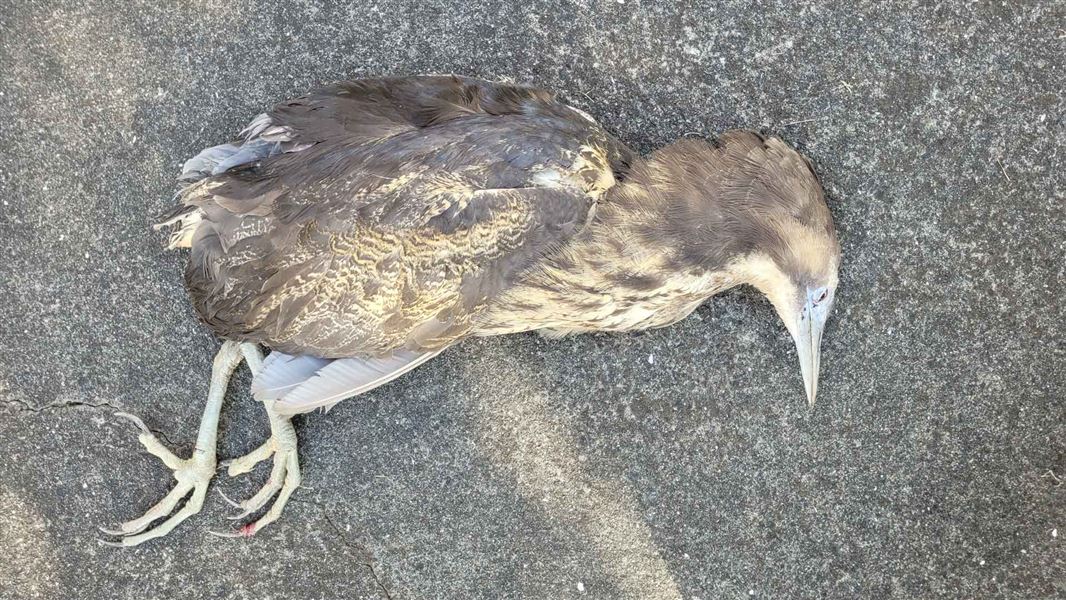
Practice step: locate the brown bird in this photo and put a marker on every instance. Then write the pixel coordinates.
(360, 230)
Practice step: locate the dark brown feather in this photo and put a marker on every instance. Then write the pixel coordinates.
(397, 210)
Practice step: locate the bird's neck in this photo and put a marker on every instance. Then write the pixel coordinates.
(662, 223)
(611, 277)
(657, 221)
(652, 252)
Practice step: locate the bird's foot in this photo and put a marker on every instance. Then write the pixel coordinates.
(283, 481)
(193, 474)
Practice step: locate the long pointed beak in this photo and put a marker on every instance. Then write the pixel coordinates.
(808, 337)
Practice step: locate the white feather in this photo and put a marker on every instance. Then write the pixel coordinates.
(282, 373)
(347, 377)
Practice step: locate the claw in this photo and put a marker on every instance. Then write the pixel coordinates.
(244, 514)
(245, 511)
(116, 531)
(229, 500)
(136, 421)
(110, 543)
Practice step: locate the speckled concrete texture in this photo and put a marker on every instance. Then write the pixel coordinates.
(681, 462)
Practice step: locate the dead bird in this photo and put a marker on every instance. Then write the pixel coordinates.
(360, 230)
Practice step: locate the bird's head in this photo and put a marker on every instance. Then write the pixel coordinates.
(792, 256)
(752, 207)
(800, 280)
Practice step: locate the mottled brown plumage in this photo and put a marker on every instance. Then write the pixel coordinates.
(363, 228)
(390, 213)
(378, 216)
(676, 230)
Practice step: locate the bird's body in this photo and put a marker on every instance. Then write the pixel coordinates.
(360, 230)
(390, 214)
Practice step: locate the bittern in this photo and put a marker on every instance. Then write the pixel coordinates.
(360, 230)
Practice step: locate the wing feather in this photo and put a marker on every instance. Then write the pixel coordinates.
(281, 373)
(346, 377)
(343, 221)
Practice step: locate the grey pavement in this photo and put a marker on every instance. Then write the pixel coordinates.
(680, 462)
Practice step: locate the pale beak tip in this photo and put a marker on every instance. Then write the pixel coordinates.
(811, 394)
(806, 329)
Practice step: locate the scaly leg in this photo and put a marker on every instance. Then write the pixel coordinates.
(193, 474)
(284, 476)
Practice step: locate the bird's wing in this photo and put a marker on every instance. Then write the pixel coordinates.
(382, 215)
(504, 231)
(282, 373)
(338, 379)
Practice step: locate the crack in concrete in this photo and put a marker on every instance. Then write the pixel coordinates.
(27, 407)
(24, 407)
(369, 564)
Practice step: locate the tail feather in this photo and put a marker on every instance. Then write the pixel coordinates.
(184, 218)
(260, 139)
(203, 164)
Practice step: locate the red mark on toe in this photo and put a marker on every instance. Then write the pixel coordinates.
(247, 531)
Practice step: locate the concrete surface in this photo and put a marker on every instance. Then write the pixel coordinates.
(676, 463)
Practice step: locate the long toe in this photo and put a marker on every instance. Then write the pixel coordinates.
(192, 475)
(246, 463)
(191, 507)
(160, 510)
(292, 481)
(284, 479)
(265, 493)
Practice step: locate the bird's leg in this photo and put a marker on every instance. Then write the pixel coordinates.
(193, 474)
(285, 474)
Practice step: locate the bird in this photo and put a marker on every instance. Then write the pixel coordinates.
(363, 228)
